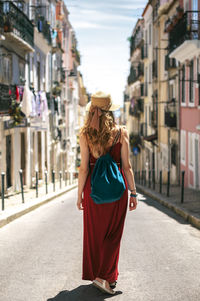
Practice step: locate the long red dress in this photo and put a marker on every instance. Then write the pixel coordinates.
(103, 228)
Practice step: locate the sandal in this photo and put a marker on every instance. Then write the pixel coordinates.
(113, 284)
(102, 287)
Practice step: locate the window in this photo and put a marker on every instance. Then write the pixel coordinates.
(183, 146)
(191, 92)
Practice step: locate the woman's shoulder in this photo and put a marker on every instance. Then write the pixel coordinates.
(124, 132)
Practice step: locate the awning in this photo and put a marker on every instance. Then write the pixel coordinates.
(151, 137)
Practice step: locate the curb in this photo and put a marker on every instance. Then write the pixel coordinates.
(178, 210)
(9, 217)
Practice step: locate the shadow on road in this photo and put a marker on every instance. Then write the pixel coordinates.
(83, 293)
(149, 201)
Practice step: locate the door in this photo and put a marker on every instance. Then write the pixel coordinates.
(8, 161)
(196, 164)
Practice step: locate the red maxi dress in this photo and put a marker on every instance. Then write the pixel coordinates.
(103, 227)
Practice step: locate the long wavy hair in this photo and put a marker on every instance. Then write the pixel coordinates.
(98, 140)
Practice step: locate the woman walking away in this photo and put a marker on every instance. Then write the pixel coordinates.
(100, 139)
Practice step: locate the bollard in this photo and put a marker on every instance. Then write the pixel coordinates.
(2, 189)
(36, 183)
(153, 175)
(46, 183)
(53, 179)
(182, 186)
(60, 177)
(149, 178)
(168, 182)
(161, 181)
(139, 176)
(21, 182)
(65, 178)
(145, 174)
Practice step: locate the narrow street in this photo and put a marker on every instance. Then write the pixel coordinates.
(41, 256)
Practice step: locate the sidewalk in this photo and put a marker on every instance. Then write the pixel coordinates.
(14, 207)
(189, 209)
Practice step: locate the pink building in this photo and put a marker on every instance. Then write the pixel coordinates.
(184, 45)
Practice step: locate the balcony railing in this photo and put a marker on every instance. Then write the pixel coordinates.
(143, 129)
(170, 119)
(17, 23)
(135, 73)
(1, 16)
(133, 111)
(187, 28)
(44, 27)
(144, 51)
(136, 40)
(140, 103)
(169, 62)
(5, 99)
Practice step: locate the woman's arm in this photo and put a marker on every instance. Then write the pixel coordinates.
(84, 169)
(126, 166)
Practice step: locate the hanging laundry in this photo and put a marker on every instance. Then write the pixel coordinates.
(38, 105)
(17, 94)
(33, 105)
(26, 106)
(44, 106)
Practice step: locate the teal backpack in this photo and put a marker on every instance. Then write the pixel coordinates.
(107, 183)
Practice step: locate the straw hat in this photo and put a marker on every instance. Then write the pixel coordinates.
(102, 101)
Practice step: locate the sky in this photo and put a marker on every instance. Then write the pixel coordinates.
(102, 28)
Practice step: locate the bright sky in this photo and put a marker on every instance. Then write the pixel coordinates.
(102, 28)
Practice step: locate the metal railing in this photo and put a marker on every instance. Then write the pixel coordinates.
(44, 27)
(63, 180)
(17, 22)
(187, 28)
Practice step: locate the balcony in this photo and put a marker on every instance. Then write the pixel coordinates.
(184, 37)
(136, 40)
(143, 129)
(17, 28)
(140, 103)
(144, 51)
(5, 100)
(136, 73)
(133, 111)
(170, 119)
(170, 63)
(43, 27)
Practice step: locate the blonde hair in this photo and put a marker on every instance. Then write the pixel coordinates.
(98, 140)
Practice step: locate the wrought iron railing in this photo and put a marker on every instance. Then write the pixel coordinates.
(17, 22)
(135, 73)
(5, 98)
(44, 27)
(140, 103)
(170, 119)
(187, 28)
(144, 51)
(1, 16)
(143, 129)
(136, 40)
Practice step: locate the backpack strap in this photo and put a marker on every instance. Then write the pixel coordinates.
(115, 140)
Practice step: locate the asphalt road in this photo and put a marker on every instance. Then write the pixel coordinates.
(41, 254)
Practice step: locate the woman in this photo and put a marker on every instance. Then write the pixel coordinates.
(103, 223)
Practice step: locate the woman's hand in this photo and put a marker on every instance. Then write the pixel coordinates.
(80, 204)
(132, 203)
